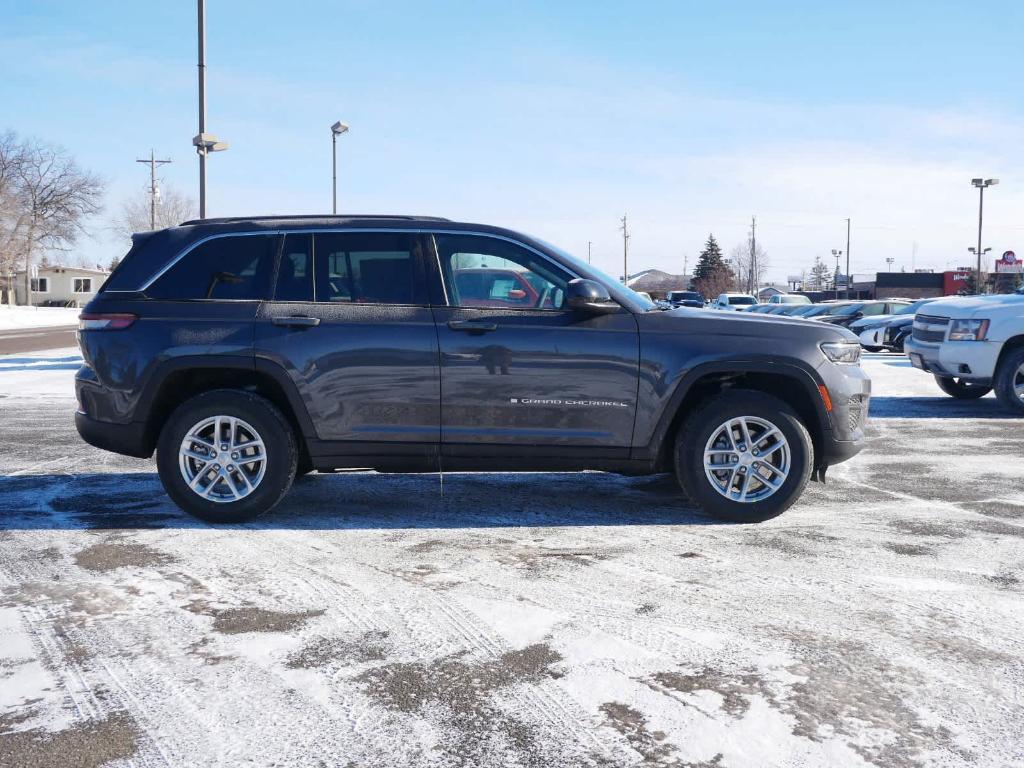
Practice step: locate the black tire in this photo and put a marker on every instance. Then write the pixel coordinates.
(1009, 375)
(699, 428)
(960, 389)
(264, 417)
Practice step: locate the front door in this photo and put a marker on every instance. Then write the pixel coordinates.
(350, 323)
(519, 369)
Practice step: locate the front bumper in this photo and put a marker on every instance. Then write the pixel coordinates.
(130, 439)
(969, 360)
(849, 389)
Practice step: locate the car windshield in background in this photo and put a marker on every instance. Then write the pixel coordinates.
(684, 296)
(845, 309)
(744, 300)
(912, 308)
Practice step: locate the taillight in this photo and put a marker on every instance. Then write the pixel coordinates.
(104, 322)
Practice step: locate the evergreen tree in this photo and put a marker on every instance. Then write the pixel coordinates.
(710, 261)
(113, 263)
(819, 274)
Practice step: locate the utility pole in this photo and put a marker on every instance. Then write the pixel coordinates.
(625, 249)
(590, 245)
(752, 281)
(153, 193)
(848, 280)
(202, 108)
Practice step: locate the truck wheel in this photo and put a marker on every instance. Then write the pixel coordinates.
(960, 389)
(227, 456)
(744, 456)
(1010, 381)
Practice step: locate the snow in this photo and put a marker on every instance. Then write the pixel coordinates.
(12, 318)
(45, 375)
(875, 623)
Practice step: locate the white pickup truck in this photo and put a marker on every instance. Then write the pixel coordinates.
(973, 345)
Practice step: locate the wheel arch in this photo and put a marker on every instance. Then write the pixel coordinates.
(182, 378)
(793, 383)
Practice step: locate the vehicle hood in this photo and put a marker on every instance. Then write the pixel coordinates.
(864, 322)
(716, 322)
(1010, 305)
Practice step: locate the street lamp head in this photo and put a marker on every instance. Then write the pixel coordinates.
(986, 250)
(972, 249)
(991, 182)
(339, 128)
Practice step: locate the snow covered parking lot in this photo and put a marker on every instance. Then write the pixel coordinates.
(515, 619)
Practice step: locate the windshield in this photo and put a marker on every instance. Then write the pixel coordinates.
(583, 267)
(912, 308)
(684, 296)
(742, 300)
(847, 309)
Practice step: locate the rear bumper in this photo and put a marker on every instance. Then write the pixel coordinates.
(129, 439)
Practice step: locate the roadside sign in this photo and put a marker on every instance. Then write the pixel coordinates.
(1009, 263)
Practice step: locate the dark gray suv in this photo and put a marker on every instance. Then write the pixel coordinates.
(245, 351)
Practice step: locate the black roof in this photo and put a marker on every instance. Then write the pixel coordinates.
(307, 217)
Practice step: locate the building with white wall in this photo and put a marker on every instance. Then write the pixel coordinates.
(56, 284)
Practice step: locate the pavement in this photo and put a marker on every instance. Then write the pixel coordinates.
(566, 619)
(35, 339)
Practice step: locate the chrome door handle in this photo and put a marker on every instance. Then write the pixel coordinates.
(296, 321)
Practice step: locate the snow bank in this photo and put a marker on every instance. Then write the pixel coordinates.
(36, 317)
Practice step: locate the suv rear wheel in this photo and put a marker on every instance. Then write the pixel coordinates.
(745, 456)
(962, 389)
(1010, 381)
(227, 456)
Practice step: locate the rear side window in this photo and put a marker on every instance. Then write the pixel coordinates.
(367, 268)
(233, 267)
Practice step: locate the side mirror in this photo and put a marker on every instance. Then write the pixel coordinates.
(589, 296)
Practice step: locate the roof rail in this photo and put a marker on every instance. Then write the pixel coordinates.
(286, 217)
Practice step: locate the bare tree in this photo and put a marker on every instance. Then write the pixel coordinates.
(172, 208)
(46, 200)
(750, 270)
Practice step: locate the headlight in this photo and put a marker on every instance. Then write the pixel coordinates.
(842, 351)
(968, 330)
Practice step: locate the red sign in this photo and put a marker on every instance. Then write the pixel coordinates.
(953, 282)
(1009, 263)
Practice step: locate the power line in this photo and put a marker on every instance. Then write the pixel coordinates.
(153, 163)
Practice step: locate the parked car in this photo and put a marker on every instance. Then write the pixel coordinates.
(245, 351)
(734, 301)
(685, 299)
(871, 329)
(854, 311)
(896, 333)
(789, 298)
(973, 345)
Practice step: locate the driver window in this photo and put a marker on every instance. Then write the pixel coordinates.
(488, 273)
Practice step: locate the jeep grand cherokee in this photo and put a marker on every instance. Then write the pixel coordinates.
(245, 351)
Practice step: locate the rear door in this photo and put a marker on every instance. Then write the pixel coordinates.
(349, 323)
(518, 368)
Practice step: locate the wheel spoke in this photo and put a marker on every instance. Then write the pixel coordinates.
(204, 467)
(744, 486)
(745, 433)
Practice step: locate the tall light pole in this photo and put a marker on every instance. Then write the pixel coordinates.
(204, 142)
(336, 130)
(848, 280)
(981, 184)
(590, 246)
(153, 191)
(835, 277)
(889, 260)
(625, 250)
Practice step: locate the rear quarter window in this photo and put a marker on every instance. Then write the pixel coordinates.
(228, 268)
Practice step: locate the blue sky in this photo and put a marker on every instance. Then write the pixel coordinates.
(556, 118)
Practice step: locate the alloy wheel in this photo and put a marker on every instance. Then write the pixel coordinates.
(222, 459)
(747, 459)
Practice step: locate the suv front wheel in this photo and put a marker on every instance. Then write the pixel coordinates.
(962, 389)
(745, 456)
(227, 456)
(1010, 381)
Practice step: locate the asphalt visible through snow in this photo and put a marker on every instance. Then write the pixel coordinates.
(516, 619)
(35, 339)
